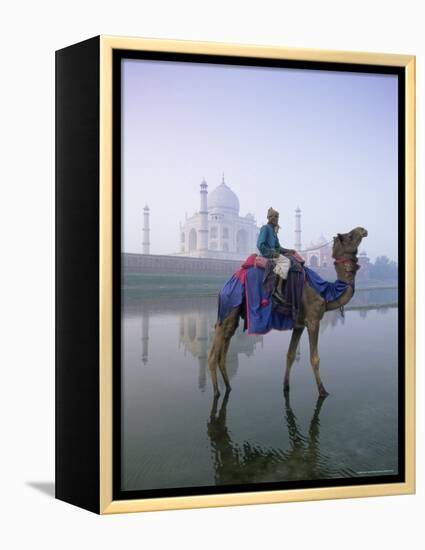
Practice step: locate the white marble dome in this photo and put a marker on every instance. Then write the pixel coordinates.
(222, 198)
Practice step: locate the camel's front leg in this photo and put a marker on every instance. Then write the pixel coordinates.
(290, 356)
(313, 335)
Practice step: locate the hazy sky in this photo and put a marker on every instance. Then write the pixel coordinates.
(325, 141)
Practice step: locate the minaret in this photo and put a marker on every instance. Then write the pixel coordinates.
(297, 244)
(203, 215)
(146, 243)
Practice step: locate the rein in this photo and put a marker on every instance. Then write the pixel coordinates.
(343, 260)
(347, 262)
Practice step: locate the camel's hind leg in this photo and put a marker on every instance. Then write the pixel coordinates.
(217, 356)
(213, 357)
(313, 334)
(222, 362)
(290, 356)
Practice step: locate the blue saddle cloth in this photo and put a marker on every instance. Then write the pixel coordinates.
(246, 288)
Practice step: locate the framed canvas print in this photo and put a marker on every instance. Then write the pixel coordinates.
(235, 274)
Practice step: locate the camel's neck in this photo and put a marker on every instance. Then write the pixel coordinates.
(346, 268)
(342, 300)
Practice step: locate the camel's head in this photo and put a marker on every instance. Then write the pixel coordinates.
(348, 243)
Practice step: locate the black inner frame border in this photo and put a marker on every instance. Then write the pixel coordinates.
(118, 57)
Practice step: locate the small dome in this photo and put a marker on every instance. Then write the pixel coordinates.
(223, 198)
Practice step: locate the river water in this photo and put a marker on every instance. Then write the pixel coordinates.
(175, 435)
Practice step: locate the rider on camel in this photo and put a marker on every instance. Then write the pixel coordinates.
(269, 247)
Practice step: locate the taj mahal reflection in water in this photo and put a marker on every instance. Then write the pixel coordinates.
(195, 331)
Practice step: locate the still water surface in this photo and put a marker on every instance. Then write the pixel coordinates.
(174, 435)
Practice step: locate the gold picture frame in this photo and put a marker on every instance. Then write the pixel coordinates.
(106, 47)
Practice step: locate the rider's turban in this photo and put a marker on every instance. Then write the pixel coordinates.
(271, 212)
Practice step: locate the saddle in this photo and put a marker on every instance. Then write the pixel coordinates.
(289, 301)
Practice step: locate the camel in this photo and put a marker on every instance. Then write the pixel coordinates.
(313, 307)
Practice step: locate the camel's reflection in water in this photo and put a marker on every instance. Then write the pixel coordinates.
(249, 463)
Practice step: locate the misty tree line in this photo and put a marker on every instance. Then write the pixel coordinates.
(383, 269)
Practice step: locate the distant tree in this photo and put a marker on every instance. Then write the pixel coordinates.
(383, 269)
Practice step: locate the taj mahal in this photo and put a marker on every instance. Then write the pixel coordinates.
(218, 230)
